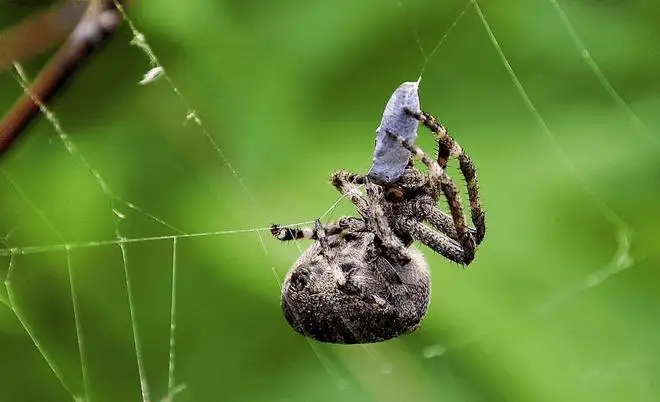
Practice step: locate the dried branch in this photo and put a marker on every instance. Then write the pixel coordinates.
(96, 24)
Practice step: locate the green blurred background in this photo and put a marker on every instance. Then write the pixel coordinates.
(561, 303)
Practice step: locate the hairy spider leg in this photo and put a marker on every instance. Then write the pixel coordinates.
(347, 184)
(436, 240)
(292, 233)
(442, 221)
(347, 223)
(438, 175)
(382, 229)
(447, 146)
(322, 238)
(446, 143)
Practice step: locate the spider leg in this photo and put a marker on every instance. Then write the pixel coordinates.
(447, 146)
(438, 241)
(346, 223)
(438, 175)
(347, 184)
(443, 222)
(440, 221)
(384, 233)
(446, 143)
(322, 237)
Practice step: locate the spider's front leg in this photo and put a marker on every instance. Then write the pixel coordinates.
(447, 147)
(438, 175)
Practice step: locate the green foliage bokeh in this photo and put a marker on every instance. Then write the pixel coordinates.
(560, 305)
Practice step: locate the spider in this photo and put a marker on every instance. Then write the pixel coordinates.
(362, 281)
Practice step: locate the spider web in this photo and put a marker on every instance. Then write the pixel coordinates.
(152, 366)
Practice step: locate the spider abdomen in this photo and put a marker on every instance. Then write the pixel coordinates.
(352, 298)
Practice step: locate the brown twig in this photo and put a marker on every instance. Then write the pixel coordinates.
(39, 32)
(98, 24)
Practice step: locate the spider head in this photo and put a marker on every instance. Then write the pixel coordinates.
(354, 296)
